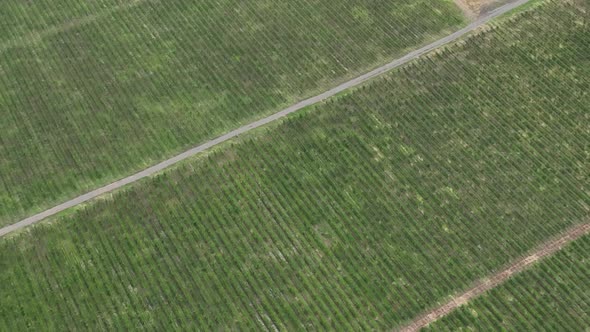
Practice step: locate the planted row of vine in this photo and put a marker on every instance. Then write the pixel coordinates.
(84, 102)
(358, 215)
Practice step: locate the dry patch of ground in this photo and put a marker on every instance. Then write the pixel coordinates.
(475, 8)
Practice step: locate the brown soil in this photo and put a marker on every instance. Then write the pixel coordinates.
(475, 8)
(496, 279)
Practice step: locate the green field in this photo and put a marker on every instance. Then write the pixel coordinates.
(91, 91)
(552, 296)
(357, 214)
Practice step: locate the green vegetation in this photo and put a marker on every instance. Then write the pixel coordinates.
(356, 215)
(91, 91)
(553, 296)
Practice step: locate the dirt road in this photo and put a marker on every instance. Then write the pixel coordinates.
(483, 286)
(294, 108)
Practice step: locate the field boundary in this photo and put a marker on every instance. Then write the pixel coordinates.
(256, 124)
(546, 249)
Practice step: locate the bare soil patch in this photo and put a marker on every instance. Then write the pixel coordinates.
(476, 8)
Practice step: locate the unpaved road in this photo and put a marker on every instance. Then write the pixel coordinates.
(484, 285)
(294, 108)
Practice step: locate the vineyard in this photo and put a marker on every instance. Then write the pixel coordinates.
(553, 296)
(357, 214)
(91, 91)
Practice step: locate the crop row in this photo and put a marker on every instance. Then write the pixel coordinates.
(21, 21)
(357, 215)
(94, 100)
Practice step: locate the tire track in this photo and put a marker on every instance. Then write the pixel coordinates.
(546, 249)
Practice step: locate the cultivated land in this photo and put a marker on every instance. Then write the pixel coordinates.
(553, 296)
(359, 214)
(154, 169)
(92, 91)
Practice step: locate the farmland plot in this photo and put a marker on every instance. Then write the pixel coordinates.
(91, 91)
(355, 215)
(553, 296)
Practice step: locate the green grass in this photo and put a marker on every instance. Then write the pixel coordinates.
(355, 215)
(553, 296)
(91, 91)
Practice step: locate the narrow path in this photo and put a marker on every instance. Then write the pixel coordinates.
(294, 108)
(482, 286)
